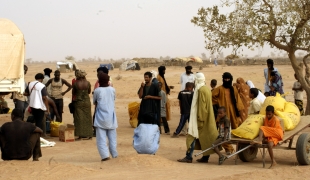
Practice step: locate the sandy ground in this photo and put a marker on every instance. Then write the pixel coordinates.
(81, 160)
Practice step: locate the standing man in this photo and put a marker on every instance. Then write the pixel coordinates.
(165, 88)
(202, 128)
(21, 101)
(267, 73)
(227, 96)
(56, 91)
(38, 99)
(47, 76)
(187, 76)
(20, 140)
(150, 101)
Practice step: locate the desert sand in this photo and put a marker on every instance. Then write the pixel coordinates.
(81, 160)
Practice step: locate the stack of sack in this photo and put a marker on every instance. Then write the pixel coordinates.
(133, 111)
(288, 112)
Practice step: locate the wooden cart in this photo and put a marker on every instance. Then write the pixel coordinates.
(247, 152)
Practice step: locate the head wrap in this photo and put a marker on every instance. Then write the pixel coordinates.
(270, 61)
(103, 69)
(250, 84)
(161, 70)
(188, 67)
(154, 74)
(81, 74)
(227, 84)
(103, 79)
(193, 127)
(47, 71)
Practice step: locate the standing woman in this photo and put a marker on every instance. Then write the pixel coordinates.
(82, 112)
(243, 90)
(165, 88)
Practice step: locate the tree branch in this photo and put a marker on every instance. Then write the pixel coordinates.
(307, 69)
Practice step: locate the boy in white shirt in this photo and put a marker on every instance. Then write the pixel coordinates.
(298, 96)
(255, 104)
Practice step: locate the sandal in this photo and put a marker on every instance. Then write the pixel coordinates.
(185, 160)
(222, 159)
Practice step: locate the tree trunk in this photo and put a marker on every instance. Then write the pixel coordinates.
(299, 73)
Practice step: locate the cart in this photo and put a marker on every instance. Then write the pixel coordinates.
(247, 152)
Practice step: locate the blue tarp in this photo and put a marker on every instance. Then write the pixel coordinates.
(109, 66)
(146, 139)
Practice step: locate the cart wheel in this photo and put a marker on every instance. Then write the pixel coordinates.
(303, 149)
(249, 154)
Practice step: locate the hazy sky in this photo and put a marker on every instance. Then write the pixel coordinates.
(107, 28)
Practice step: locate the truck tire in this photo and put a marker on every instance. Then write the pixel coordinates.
(303, 149)
(249, 154)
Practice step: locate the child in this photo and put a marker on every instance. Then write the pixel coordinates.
(273, 90)
(213, 84)
(224, 132)
(271, 133)
(255, 104)
(266, 94)
(185, 101)
(298, 96)
(163, 102)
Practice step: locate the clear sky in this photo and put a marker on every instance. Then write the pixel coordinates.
(54, 29)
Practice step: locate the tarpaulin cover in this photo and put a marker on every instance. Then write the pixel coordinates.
(12, 50)
(146, 139)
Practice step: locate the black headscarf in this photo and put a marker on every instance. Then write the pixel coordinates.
(161, 70)
(47, 71)
(103, 79)
(228, 84)
(270, 61)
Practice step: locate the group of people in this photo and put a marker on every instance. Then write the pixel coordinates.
(43, 98)
(213, 112)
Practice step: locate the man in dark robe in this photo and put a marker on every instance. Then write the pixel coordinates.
(150, 101)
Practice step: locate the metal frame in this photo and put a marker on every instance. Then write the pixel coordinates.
(238, 141)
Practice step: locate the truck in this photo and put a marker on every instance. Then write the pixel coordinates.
(12, 55)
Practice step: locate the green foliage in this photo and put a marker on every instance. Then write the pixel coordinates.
(283, 24)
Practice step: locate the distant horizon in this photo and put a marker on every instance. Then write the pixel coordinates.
(117, 60)
(112, 29)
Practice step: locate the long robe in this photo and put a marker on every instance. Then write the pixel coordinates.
(221, 96)
(163, 87)
(205, 121)
(149, 112)
(82, 116)
(272, 130)
(244, 92)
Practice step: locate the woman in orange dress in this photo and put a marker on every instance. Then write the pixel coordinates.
(244, 92)
(271, 132)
